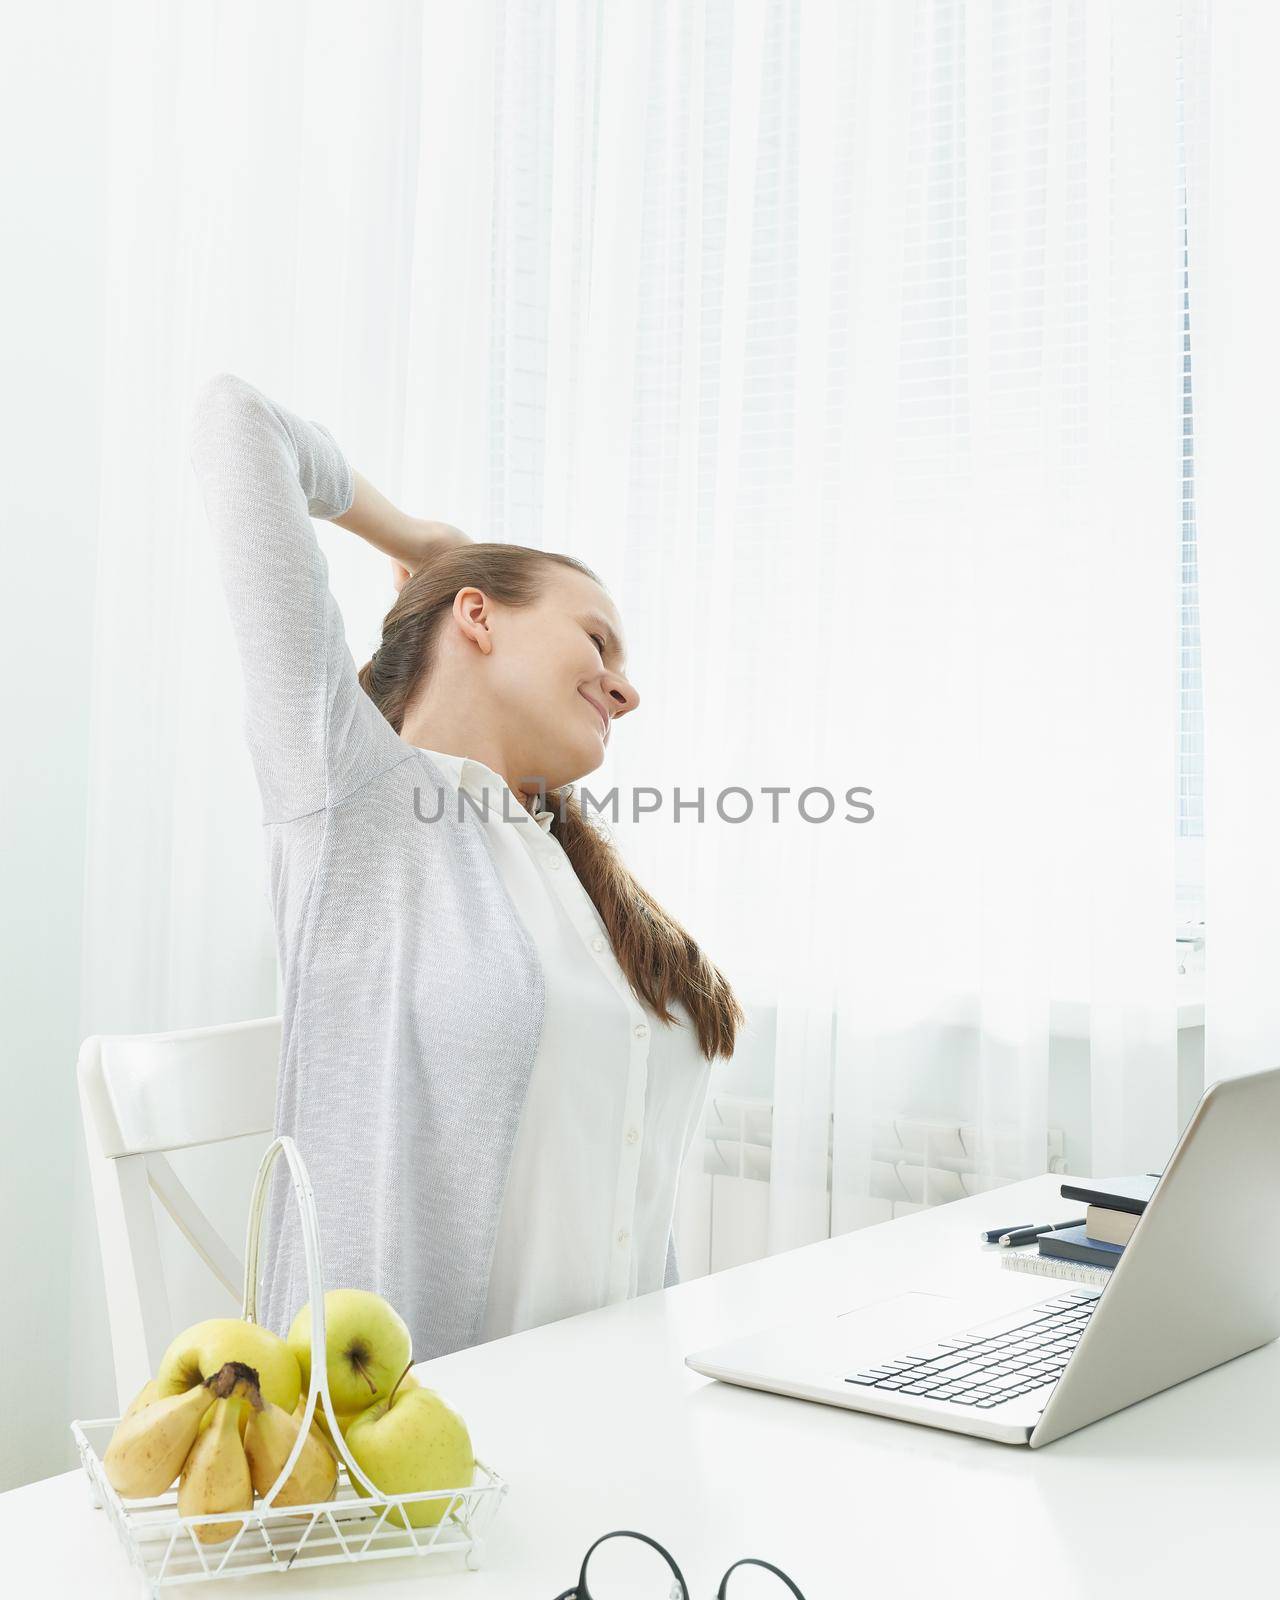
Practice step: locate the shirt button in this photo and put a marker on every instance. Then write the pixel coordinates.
(641, 1029)
(623, 1236)
(597, 943)
(632, 1135)
(553, 862)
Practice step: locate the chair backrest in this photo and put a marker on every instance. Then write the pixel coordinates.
(143, 1095)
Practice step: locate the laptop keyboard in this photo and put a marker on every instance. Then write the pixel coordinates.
(985, 1368)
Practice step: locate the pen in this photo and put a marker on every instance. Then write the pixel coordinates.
(1030, 1234)
(990, 1235)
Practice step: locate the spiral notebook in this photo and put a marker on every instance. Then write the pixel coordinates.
(1055, 1267)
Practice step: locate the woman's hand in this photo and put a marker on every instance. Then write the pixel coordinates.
(429, 538)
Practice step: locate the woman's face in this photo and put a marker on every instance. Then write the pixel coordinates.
(558, 670)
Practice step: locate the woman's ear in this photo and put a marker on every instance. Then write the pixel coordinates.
(471, 612)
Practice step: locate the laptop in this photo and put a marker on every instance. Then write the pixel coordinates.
(1191, 1290)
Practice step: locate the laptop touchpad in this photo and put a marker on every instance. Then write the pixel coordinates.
(898, 1325)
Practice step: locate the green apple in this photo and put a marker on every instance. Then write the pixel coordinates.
(345, 1418)
(201, 1350)
(409, 1443)
(367, 1346)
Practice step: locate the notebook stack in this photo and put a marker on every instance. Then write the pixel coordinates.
(1114, 1207)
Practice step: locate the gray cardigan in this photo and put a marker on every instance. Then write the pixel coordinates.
(413, 997)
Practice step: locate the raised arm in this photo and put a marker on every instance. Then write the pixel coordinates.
(409, 541)
(314, 735)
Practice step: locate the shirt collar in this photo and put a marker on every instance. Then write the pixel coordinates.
(484, 784)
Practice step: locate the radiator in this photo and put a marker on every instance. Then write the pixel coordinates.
(723, 1214)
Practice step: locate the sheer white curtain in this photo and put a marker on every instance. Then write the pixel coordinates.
(842, 341)
(1236, 343)
(902, 332)
(298, 193)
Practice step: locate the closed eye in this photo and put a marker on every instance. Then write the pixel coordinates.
(599, 643)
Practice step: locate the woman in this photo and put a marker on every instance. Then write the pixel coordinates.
(496, 1046)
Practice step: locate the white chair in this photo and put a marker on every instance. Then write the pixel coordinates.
(142, 1095)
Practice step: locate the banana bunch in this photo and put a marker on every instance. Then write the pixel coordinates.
(220, 1464)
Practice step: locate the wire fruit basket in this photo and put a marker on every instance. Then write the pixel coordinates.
(349, 1526)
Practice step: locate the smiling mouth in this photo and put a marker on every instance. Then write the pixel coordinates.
(604, 721)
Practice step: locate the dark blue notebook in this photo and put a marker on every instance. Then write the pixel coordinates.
(1116, 1194)
(1074, 1244)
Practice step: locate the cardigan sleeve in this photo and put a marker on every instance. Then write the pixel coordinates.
(313, 734)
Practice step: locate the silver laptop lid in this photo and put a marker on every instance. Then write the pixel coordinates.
(1199, 1281)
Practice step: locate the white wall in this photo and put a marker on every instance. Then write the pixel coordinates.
(51, 269)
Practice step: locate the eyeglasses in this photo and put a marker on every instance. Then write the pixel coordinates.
(679, 1589)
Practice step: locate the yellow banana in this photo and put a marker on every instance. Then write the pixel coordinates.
(216, 1475)
(151, 1442)
(149, 1391)
(317, 1427)
(239, 1406)
(268, 1439)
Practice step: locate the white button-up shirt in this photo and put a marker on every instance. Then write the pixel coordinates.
(615, 1099)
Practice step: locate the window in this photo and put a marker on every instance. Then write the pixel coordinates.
(1190, 796)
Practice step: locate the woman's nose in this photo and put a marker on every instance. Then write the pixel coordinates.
(622, 697)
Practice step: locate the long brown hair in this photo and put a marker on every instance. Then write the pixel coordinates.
(662, 962)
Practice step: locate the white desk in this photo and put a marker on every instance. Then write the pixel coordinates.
(598, 1424)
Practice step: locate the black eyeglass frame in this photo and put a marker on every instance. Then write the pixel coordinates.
(679, 1589)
